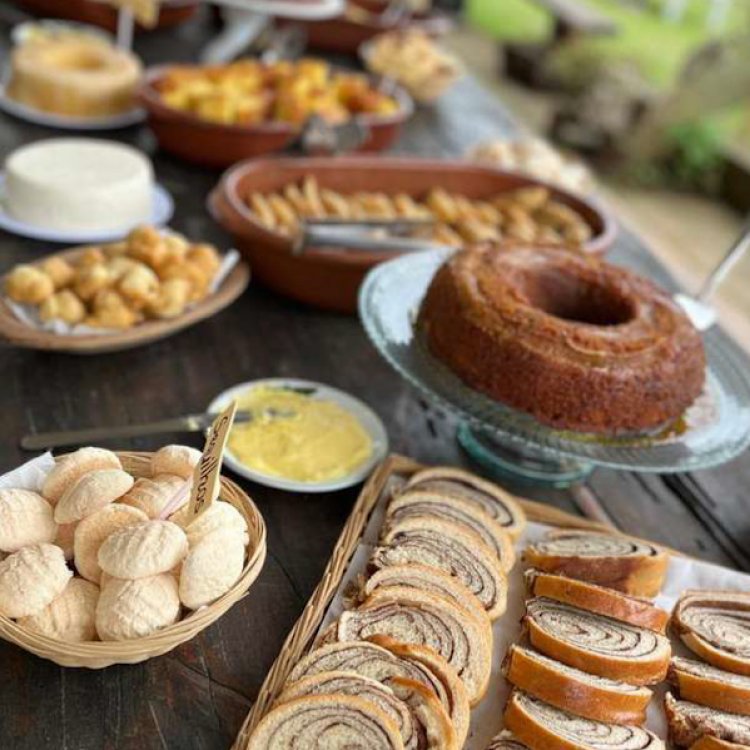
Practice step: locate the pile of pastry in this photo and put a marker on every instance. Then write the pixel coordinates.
(593, 644)
(149, 275)
(413, 59)
(404, 665)
(249, 92)
(709, 708)
(97, 554)
(530, 214)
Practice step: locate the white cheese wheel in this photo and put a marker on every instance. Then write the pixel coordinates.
(78, 184)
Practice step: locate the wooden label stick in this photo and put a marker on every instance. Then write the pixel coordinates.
(207, 474)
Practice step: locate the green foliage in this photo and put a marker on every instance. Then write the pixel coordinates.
(696, 154)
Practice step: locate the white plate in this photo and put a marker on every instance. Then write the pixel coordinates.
(303, 11)
(64, 122)
(162, 208)
(366, 417)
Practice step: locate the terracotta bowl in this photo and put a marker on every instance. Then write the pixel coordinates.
(344, 36)
(216, 145)
(172, 12)
(330, 278)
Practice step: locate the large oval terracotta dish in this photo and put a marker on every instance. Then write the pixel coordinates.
(18, 333)
(330, 278)
(217, 145)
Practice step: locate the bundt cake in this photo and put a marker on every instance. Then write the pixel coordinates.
(576, 342)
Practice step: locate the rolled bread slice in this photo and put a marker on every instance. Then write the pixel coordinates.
(322, 721)
(421, 719)
(543, 727)
(456, 510)
(424, 619)
(689, 723)
(710, 686)
(424, 578)
(599, 599)
(711, 743)
(617, 562)
(501, 505)
(570, 689)
(384, 659)
(505, 740)
(445, 546)
(715, 625)
(596, 644)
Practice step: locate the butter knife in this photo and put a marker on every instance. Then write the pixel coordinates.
(186, 423)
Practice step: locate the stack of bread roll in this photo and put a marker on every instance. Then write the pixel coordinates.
(709, 708)
(404, 665)
(593, 642)
(97, 555)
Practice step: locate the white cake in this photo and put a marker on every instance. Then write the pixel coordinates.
(78, 184)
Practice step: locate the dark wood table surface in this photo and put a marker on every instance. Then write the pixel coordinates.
(198, 695)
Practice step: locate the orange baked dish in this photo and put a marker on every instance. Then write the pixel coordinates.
(578, 343)
(249, 92)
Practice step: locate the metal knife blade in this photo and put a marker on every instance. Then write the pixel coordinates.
(186, 423)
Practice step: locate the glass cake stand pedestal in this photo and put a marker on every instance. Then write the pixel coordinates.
(508, 443)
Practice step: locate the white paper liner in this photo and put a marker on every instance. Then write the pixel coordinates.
(486, 718)
(29, 476)
(29, 314)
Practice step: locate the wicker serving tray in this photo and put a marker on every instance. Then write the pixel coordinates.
(100, 654)
(301, 637)
(18, 333)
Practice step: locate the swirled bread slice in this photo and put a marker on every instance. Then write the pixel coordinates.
(710, 686)
(618, 562)
(501, 505)
(445, 546)
(711, 743)
(420, 717)
(456, 510)
(424, 578)
(599, 599)
(543, 727)
(716, 626)
(384, 659)
(326, 721)
(689, 722)
(598, 645)
(570, 689)
(424, 619)
(505, 741)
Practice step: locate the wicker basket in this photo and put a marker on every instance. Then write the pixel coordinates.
(303, 633)
(97, 655)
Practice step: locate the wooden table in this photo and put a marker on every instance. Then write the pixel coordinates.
(197, 696)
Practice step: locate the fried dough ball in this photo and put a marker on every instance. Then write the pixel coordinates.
(206, 258)
(172, 298)
(146, 244)
(121, 265)
(190, 272)
(59, 270)
(29, 285)
(139, 286)
(91, 279)
(91, 256)
(65, 306)
(112, 311)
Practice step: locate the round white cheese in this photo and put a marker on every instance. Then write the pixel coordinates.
(79, 184)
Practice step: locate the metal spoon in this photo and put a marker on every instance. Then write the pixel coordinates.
(702, 314)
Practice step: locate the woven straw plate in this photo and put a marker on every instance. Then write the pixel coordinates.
(302, 635)
(96, 654)
(18, 333)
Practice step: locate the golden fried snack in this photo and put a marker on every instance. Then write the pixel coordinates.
(172, 298)
(91, 279)
(63, 305)
(139, 286)
(29, 285)
(205, 257)
(59, 270)
(91, 256)
(146, 244)
(110, 310)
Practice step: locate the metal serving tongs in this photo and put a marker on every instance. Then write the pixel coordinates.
(702, 314)
(363, 235)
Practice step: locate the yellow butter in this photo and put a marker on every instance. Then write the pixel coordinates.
(319, 442)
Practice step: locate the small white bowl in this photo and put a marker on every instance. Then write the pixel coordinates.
(370, 421)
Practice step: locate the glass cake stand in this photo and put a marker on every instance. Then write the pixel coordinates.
(511, 443)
